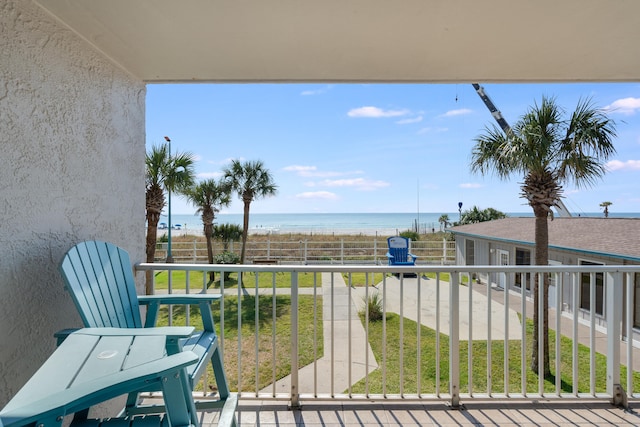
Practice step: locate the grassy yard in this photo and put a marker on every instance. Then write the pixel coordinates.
(263, 332)
(479, 353)
(265, 280)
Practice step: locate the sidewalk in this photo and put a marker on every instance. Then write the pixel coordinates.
(348, 367)
(403, 297)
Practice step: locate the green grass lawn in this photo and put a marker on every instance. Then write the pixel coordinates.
(264, 332)
(479, 367)
(265, 280)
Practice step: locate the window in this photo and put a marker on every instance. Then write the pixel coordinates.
(585, 289)
(469, 252)
(523, 257)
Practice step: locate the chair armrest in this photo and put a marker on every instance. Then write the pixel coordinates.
(168, 331)
(62, 334)
(153, 303)
(389, 255)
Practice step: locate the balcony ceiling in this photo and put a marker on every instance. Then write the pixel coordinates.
(362, 40)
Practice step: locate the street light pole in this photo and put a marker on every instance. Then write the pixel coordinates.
(169, 256)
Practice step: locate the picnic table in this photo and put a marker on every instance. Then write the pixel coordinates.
(97, 364)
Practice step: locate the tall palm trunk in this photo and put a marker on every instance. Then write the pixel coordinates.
(208, 233)
(245, 229)
(541, 258)
(154, 205)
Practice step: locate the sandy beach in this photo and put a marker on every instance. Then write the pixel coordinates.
(184, 231)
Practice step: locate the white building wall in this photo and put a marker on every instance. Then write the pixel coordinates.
(72, 144)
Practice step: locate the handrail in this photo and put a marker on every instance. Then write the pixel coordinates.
(460, 290)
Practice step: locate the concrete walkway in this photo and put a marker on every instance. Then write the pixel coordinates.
(338, 368)
(402, 298)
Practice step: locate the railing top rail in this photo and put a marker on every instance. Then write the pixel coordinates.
(392, 269)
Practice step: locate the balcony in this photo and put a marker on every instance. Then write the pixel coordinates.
(317, 357)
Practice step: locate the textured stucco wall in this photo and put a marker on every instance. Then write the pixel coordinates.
(71, 169)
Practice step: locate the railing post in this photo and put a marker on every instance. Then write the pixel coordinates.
(444, 250)
(195, 250)
(268, 247)
(454, 340)
(375, 251)
(306, 247)
(614, 287)
(342, 251)
(295, 390)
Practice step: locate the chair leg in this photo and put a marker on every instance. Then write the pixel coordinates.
(219, 373)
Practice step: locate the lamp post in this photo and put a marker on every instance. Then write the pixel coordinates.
(169, 256)
(459, 211)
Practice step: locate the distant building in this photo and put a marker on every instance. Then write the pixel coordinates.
(572, 241)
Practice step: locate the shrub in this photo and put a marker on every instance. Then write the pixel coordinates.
(374, 306)
(409, 234)
(227, 258)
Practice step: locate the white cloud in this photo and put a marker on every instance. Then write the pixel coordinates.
(324, 195)
(470, 185)
(459, 112)
(376, 112)
(316, 91)
(357, 183)
(409, 121)
(300, 169)
(227, 160)
(615, 165)
(209, 175)
(312, 171)
(626, 106)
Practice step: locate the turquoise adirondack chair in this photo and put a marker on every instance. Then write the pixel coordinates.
(398, 253)
(100, 280)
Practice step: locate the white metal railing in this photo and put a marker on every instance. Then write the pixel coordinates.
(479, 336)
(309, 251)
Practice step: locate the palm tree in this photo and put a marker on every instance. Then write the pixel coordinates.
(227, 233)
(606, 205)
(163, 172)
(444, 221)
(548, 150)
(209, 196)
(251, 181)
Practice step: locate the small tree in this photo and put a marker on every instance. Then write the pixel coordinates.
(208, 197)
(606, 205)
(475, 215)
(227, 233)
(444, 221)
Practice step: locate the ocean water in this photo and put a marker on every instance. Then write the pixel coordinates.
(346, 223)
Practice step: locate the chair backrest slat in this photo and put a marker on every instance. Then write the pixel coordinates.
(399, 248)
(100, 280)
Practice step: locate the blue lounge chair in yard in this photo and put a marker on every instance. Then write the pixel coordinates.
(100, 280)
(398, 253)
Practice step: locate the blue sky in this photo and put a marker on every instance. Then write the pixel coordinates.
(378, 147)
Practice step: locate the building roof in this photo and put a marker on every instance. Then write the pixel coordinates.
(618, 237)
